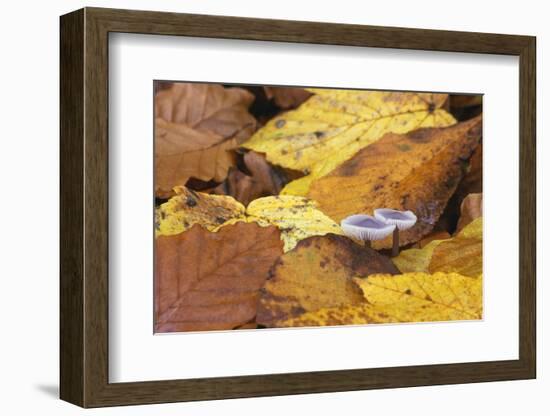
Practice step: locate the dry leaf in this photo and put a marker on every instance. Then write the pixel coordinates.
(461, 254)
(211, 281)
(317, 274)
(411, 297)
(333, 125)
(195, 128)
(421, 297)
(470, 209)
(263, 180)
(418, 171)
(296, 217)
(188, 208)
(287, 97)
(438, 235)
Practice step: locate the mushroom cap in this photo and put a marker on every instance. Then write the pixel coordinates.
(364, 227)
(403, 220)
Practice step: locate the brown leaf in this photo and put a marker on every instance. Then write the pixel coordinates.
(211, 281)
(287, 97)
(264, 180)
(318, 274)
(437, 235)
(196, 127)
(470, 209)
(418, 171)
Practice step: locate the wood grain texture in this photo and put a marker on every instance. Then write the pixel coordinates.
(84, 207)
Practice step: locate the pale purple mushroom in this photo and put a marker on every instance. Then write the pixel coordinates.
(403, 220)
(366, 228)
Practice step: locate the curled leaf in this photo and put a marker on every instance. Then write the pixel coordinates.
(296, 217)
(188, 208)
(264, 180)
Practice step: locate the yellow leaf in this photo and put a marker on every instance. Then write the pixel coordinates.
(317, 274)
(333, 125)
(422, 297)
(411, 297)
(357, 314)
(296, 217)
(187, 208)
(461, 254)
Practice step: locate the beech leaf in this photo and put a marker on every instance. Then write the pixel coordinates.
(264, 180)
(317, 274)
(462, 254)
(418, 171)
(188, 208)
(196, 127)
(333, 125)
(411, 297)
(211, 281)
(296, 217)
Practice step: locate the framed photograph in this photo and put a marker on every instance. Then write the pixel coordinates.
(256, 207)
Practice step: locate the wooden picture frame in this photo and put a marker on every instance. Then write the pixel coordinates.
(84, 207)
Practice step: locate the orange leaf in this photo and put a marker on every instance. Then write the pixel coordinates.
(418, 171)
(211, 281)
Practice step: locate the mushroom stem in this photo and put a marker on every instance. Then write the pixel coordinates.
(368, 244)
(395, 247)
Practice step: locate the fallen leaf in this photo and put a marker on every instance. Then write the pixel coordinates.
(287, 97)
(438, 235)
(317, 274)
(411, 297)
(333, 125)
(422, 297)
(296, 217)
(470, 209)
(263, 180)
(356, 314)
(196, 126)
(188, 208)
(418, 171)
(211, 281)
(461, 254)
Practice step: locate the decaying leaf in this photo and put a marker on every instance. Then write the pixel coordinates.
(470, 209)
(188, 208)
(211, 281)
(296, 217)
(317, 274)
(462, 254)
(196, 126)
(287, 97)
(263, 180)
(418, 171)
(411, 297)
(333, 125)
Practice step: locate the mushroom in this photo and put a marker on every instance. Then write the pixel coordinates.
(403, 220)
(366, 228)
